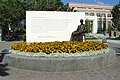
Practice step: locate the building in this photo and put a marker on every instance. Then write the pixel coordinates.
(103, 13)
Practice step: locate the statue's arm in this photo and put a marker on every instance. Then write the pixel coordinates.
(84, 29)
(79, 29)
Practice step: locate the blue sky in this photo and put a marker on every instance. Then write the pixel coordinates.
(108, 2)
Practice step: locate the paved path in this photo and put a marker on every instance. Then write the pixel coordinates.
(114, 41)
(110, 72)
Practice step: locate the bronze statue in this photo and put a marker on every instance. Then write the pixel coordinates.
(79, 34)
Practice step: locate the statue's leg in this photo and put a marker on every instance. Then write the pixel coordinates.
(81, 38)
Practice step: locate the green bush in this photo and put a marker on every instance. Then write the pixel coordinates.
(24, 37)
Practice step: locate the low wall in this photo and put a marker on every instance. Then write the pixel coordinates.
(60, 64)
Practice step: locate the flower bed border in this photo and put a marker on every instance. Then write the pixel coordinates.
(41, 54)
(60, 64)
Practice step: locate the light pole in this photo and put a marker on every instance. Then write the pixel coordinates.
(9, 29)
(0, 33)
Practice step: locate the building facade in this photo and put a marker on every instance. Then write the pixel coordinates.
(103, 13)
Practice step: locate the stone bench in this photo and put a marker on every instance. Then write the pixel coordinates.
(3, 52)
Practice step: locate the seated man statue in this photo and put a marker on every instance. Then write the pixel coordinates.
(79, 34)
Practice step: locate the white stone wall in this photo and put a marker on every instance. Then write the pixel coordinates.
(49, 26)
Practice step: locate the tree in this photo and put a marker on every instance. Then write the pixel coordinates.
(116, 16)
(13, 12)
(65, 8)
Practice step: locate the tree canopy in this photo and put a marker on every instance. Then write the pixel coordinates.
(116, 16)
(12, 12)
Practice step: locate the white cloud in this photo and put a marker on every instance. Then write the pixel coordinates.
(99, 2)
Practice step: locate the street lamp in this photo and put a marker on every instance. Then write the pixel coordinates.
(0, 34)
(9, 29)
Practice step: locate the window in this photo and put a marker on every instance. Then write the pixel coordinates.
(101, 26)
(104, 25)
(89, 8)
(99, 23)
(109, 15)
(81, 7)
(108, 9)
(95, 8)
(98, 15)
(98, 8)
(89, 25)
(86, 14)
(103, 15)
(91, 14)
(99, 30)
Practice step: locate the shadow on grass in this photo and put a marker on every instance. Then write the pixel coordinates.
(3, 70)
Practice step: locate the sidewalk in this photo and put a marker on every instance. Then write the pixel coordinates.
(110, 41)
(114, 41)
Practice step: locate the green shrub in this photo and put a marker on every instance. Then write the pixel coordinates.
(24, 37)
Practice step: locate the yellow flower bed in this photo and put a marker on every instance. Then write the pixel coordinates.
(59, 47)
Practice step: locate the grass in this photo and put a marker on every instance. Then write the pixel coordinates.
(91, 39)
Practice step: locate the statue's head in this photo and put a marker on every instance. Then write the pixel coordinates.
(81, 21)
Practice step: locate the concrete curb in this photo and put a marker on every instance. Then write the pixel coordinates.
(60, 64)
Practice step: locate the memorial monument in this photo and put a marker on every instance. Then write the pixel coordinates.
(52, 56)
(50, 26)
(79, 34)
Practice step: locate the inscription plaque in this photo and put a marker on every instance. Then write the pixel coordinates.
(49, 26)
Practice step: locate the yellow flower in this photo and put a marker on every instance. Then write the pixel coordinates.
(61, 47)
